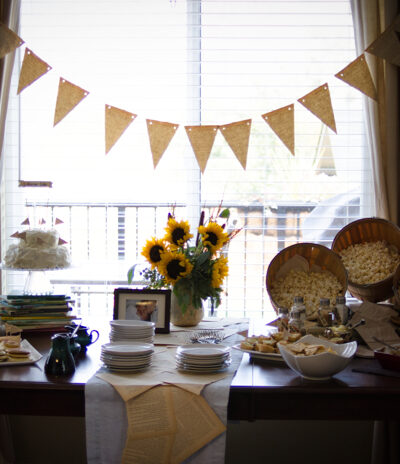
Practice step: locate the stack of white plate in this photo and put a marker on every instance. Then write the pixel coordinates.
(203, 358)
(127, 356)
(132, 330)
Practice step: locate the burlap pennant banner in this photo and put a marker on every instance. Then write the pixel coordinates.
(69, 96)
(319, 103)
(32, 69)
(387, 45)
(237, 135)
(281, 122)
(358, 75)
(160, 135)
(117, 121)
(9, 40)
(202, 139)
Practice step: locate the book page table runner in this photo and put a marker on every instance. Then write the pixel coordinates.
(160, 415)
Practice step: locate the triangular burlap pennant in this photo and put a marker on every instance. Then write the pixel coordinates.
(9, 40)
(202, 139)
(237, 136)
(281, 122)
(117, 121)
(319, 103)
(387, 46)
(160, 134)
(358, 75)
(32, 68)
(69, 95)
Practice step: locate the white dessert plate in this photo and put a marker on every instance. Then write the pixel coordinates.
(202, 351)
(260, 355)
(131, 323)
(33, 357)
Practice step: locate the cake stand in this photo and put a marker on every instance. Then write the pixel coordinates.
(37, 281)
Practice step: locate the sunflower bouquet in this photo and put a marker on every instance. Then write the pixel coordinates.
(194, 270)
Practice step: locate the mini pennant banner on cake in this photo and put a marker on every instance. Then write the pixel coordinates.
(319, 103)
(281, 122)
(160, 135)
(61, 241)
(201, 139)
(237, 136)
(117, 121)
(58, 221)
(358, 75)
(387, 45)
(69, 96)
(9, 40)
(32, 69)
(25, 222)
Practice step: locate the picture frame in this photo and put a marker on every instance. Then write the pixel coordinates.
(144, 304)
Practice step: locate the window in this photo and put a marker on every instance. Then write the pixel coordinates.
(189, 63)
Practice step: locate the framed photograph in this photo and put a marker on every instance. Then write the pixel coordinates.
(144, 305)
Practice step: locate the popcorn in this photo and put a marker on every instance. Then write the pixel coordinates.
(370, 262)
(312, 286)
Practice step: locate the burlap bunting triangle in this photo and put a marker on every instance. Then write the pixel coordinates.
(9, 40)
(358, 75)
(160, 135)
(201, 139)
(387, 45)
(237, 136)
(319, 103)
(69, 95)
(281, 122)
(32, 69)
(117, 121)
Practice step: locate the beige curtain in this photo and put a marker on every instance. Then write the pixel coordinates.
(371, 18)
(9, 15)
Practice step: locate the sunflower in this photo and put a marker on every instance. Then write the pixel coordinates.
(153, 250)
(178, 233)
(219, 272)
(174, 266)
(213, 236)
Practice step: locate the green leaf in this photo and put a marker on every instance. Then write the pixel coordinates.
(203, 258)
(130, 273)
(225, 213)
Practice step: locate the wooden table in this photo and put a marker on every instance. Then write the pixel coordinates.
(260, 390)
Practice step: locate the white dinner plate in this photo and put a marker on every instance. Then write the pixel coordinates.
(127, 348)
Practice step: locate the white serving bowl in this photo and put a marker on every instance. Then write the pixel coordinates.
(319, 366)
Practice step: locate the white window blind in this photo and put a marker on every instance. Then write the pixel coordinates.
(192, 62)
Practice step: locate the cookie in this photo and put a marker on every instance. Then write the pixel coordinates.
(18, 353)
(11, 344)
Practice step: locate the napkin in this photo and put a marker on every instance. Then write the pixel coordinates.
(377, 324)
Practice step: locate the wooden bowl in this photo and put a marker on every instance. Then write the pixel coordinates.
(362, 231)
(396, 285)
(315, 254)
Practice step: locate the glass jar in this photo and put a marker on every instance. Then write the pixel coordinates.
(283, 319)
(341, 310)
(297, 315)
(325, 314)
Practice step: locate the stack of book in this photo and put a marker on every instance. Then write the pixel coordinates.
(37, 312)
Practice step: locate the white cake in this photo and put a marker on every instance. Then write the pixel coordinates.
(37, 249)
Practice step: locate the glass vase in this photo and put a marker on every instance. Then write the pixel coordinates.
(191, 317)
